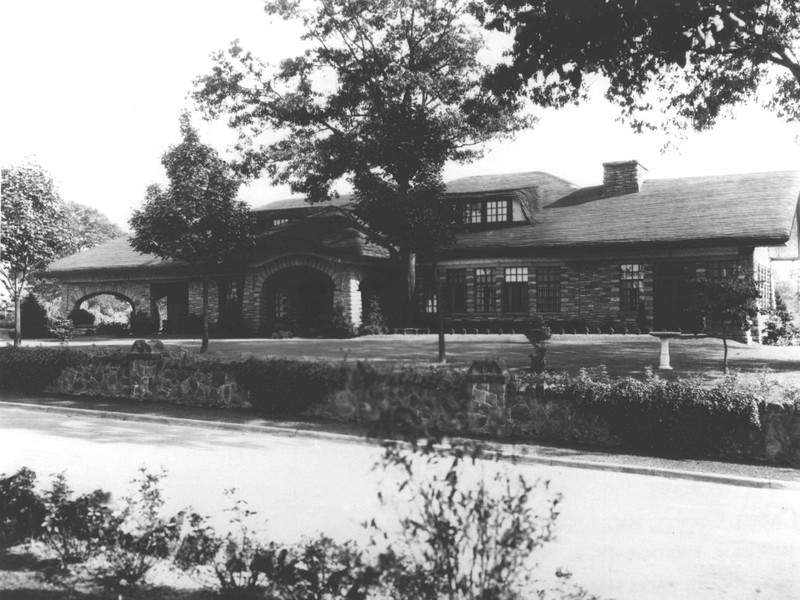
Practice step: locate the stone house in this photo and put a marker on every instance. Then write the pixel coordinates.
(618, 254)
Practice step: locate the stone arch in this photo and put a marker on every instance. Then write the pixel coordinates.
(135, 295)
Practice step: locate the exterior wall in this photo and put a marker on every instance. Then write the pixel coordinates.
(590, 286)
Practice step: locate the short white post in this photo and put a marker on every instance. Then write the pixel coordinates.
(664, 365)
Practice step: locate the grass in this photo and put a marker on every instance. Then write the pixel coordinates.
(621, 354)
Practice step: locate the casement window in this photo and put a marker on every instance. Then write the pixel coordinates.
(721, 269)
(231, 294)
(279, 221)
(548, 289)
(764, 281)
(430, 300)
(282, 307)
(491, 211)
(484, 290)
(455, 290)
(515, 289)
(631, 282)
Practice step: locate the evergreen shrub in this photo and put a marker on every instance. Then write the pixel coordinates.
(33, 369)
(79, 317)
(140, 324)
(33, 318)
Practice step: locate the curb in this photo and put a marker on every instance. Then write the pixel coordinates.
(517, 454)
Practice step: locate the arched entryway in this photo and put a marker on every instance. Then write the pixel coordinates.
(298, 299)
(111, 305)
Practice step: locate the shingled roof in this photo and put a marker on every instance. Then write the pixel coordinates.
(743, 209)
(753, 208)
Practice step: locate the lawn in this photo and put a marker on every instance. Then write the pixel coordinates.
(621, 354)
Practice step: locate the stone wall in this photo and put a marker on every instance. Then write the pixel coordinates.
(153, 379)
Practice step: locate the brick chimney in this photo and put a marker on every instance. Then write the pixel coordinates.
(622, 177)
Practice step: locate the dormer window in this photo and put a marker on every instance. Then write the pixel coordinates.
(490, 211)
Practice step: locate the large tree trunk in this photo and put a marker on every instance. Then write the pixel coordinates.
(725, 346)
(409, 266)
(204, 344)
(439, 315)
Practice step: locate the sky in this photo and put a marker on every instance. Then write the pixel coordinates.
(93, 89)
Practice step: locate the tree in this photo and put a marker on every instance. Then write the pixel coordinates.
(700, 58)
(386, 94)
(731, 302)
(33, 229)
(196, 218)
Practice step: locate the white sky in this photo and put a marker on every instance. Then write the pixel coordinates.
(94, 88)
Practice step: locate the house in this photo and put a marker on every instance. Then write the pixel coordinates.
(618, 254)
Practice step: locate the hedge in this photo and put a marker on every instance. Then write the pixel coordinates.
(33, 369)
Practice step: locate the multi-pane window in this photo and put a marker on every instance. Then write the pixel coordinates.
(497, 211)
(484, 290)
(281, 304)
(631, 281)
(515, 289)
(492, 211)
(455, 291)
(430, 300)
(764, 281)
(721, 269)
(548, 289)
(473, 213)
(279, 221)
(230, 297)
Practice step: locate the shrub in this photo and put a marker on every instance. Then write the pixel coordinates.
(674, 417)
(33, 369)
(537, 332)
(63, 329)
(80, 317)
(74, 527)
(33, 318)
(231, 325)
(283, 386)
(112, 329)
(141, 324)
(341, 326)
(373, 321)
(22, 510)
(136, 537)
(461, 538)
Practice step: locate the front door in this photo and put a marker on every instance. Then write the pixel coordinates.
(672, 297)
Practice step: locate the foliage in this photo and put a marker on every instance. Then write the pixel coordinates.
(197, 218)
(341, 325)
(373, 321)
(327, 569)
(385, 95)
(141, 323)
(111, 329)
(538, 332)
(88, 227)
(22, 511)
(283, 386)
(80, 316)
(244, 566)
(136, 537)
(461, 538)
(73, 528)
(732, 302)
(33, 369)
(32, 214)
(34, 323)
(62, 328)
(674, 417)
(780, 329)
(693, 60)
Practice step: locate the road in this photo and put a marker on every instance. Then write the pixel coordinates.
(621, 536)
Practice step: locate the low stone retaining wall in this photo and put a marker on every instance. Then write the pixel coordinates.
(152, 377)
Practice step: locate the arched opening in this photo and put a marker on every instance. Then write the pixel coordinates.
(298, 299)
(169, 306)
(111, 310)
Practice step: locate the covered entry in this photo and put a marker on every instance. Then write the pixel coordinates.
(298, 299)
(169, 301)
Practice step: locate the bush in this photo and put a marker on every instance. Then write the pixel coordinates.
(74, 528)
(674, 417)
(33, 318)
(112, 329)
(141, 324)
(537, 332)
(63, 329)
(33, 369)
(229, 326)
(22, 511)
(341, 325)
(373, 321)
(283, 386)
(81, 317)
